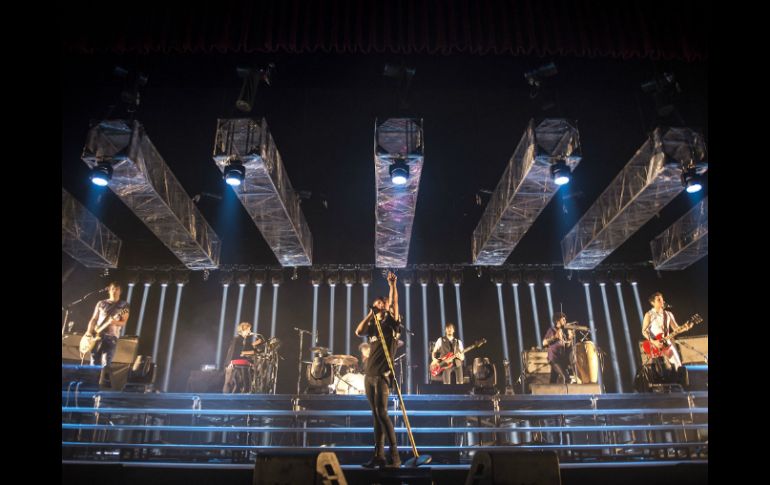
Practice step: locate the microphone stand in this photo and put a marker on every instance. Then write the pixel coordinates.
(66, 308)
(416, 460)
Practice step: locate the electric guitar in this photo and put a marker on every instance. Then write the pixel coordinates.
(667, 340)
(88, 342)
(446, 361)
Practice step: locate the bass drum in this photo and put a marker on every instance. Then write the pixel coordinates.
(587, 362)
(350, 383)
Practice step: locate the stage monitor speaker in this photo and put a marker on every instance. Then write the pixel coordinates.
(514, 468)
(86, 375)
(565, 389)
(141, 375)
(114, 377)
(307, 469)
(697, 377)
(126, 350)
(70, 348)
(206, 381)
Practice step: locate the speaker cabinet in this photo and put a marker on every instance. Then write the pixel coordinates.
(307, 469)
(514, 468)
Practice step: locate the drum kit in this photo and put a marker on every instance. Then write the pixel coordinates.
(585, 356)
(264, 375)
(347, 378)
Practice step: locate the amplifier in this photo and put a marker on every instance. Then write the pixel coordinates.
(692, 350)
(124, 354)
(536, 362)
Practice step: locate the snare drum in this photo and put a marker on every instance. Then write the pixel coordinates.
(587, 361)
(350, 383)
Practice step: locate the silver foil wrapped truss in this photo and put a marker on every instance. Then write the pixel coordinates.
(685, 242)
(650, 180)
(396, 138)
(147, 186)
(525, 188)
(84, 238)
(266, 191)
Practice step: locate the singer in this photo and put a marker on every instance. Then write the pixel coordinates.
(378, 376)
(109, 315)
(240, 358)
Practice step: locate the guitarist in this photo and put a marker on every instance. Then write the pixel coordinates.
(444, 345)
(109, 316)
(659, 321)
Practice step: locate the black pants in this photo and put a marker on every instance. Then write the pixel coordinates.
(237, 379)
(559, 368)
(377, 394)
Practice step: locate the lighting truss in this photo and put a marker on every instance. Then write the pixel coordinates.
(266, 193)
(525, 188)
(685, 242)
(650, 180)
(147, 186)
(83, 237)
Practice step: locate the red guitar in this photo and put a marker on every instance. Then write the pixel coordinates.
(446, 361)
(654, 351)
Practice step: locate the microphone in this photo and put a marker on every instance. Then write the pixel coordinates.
(104, 290)
(302, 331)
(668, 307)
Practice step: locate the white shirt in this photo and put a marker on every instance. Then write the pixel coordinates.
(656, 322)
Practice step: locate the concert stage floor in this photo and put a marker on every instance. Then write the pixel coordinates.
(228, 431)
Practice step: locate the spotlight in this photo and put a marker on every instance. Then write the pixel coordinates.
(242, 278)
(319, 376)
(423, 276)
(399, 171)
(484, 376)
(365, 277)
(101, 174)
(497, 276)
(514, 277)
(349, 277)
(332, 278)
(235, 172)
(141, 375)
(316, 276)
(259, 276)
(457, 276)
(226, 277)
(692, 181)
(561, 173)
(294, 274)
(439, 276)
(277, 277)
(407, 277)
(536, 76)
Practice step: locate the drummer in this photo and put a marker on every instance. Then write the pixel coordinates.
(560, 343)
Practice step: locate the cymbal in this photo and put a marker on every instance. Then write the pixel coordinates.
(582, 328)
(323, 350)
(341, 359)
